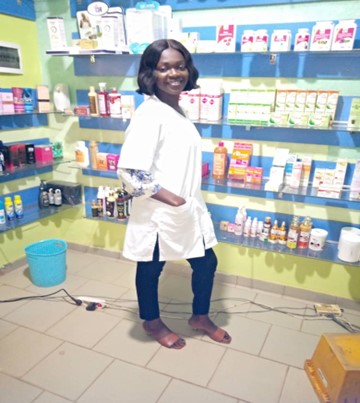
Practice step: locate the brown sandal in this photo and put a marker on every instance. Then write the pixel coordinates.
(170, 340)
(219, 335)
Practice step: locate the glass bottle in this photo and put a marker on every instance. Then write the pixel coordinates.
(293, 234)
(266, 229)
(282, 234)
(304, 234)
(274, 232)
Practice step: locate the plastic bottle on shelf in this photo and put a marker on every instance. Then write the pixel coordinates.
(282, 234)
(57, 197)
(253, 229)
(266, 229)
(240, 221)
(247, 227)
(94, 149)
(261, 40)
(293, 233)
(103, 100)
(9, 208)
(321, 36)
(115, 103)
(18, 207)
(247, 40)
(274, 232)
(43, 194)
(344, 35)
(2, 213)
(81, 154)
(302, 40)
(93, 102)
(220, 161)
(304, 234)
(51, 196)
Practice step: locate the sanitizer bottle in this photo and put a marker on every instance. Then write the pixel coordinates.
(82, 154)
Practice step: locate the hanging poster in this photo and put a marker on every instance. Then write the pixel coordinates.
(10, 58)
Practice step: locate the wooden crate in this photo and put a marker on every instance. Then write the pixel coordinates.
(334, 369)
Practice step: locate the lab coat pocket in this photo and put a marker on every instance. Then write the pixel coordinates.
(180, 230)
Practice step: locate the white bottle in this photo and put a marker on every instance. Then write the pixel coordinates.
(82, 155)
(239, 222)
(254, 227)
(261, 40)
(115, 103)
(280, 40)
(247, 227)
(247, 40)
(321, 36)
(51, 197)
(57, 197)
(344, 35)
(302, 40)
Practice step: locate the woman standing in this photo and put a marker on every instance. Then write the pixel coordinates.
(160, 165)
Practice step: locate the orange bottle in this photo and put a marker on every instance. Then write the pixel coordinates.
(220, 161)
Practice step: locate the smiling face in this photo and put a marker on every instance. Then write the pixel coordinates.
(171, 76)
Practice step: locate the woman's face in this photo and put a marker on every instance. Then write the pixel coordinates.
(171, 74)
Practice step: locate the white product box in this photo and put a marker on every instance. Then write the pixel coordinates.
(226, 38)
(321, 36)
(310, 102)
(280, 40)
(296, 174)
(247, 40)
(306, 169)
(280, 157)
(57, 36)
(344, 35)
(291, 160)
(319, 175)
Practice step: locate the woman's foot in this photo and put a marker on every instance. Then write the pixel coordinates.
(163, 335)
(204, 323)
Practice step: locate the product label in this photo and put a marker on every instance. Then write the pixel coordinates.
(219, 164)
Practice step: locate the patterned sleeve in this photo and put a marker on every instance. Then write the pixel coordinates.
(138, 183)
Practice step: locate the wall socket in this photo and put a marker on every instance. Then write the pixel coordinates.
(327, 309)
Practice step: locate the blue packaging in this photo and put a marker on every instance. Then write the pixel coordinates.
(28, 96)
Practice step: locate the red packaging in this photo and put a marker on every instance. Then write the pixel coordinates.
(43, 153)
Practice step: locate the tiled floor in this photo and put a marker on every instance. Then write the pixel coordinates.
(52, 351)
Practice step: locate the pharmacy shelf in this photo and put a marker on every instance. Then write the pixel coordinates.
(316, 65)
(30, 170)
(22, 120)
(329, 253)
(306, 195)
(32, 213)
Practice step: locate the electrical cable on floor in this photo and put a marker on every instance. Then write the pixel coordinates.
(92, 303)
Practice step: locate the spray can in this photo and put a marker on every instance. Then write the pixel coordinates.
(18, 207)
(9, 209)
(2, 213)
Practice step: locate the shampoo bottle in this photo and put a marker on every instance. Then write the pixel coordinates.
(94, 149)
(239, 221)
(103, 99)
(93, 102)
(220, 161)
(115, 103)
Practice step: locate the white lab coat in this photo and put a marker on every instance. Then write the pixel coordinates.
(162, 141)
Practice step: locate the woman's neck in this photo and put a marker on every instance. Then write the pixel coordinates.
(172, 101)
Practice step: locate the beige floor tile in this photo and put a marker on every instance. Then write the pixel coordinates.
(320, 326)
(68, 371)
(24, 348)
(7, 293)
(297, 388)
(72, 282)
(40, 314)
(250, 378)
(122, 382)
(83, 327)
(47, 397)
(180, 392)
(128, 342)
(265, 311)
(6, 328)
(124, 307)
(103, 269)
(16, 391)
(19, 277)
(195, 363)
(248, 335)
(289, 346)
(76, 261)
(99, 289)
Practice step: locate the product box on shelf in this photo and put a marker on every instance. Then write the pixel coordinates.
(43, 153)
(354, 116)
(240, 159)
(57, 35)
(226, 38)
(112, 161)
(6, 102)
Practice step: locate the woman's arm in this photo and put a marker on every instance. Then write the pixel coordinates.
(141, 184)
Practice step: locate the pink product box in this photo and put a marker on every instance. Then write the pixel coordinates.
(205, 169)
(112, 161)
(6, 102)
(43, 153)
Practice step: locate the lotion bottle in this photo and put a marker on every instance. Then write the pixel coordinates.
(115, 103)
(93, 102)
(81, 154)
(103, 99)
(220, 161)
(239, 221)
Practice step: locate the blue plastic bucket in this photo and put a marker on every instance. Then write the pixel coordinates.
(47, 262)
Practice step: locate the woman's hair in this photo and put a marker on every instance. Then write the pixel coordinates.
(146, 78)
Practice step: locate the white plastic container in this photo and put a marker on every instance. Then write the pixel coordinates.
(211, 101)
(82, 155)
(261, 40)
(302, 40)
(280, 40)
(321, 36)
(344, 35)
(247, 40)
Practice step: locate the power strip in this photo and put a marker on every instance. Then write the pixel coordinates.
(328, 309)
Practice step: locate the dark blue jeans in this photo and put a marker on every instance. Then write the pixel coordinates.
(147, 281)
